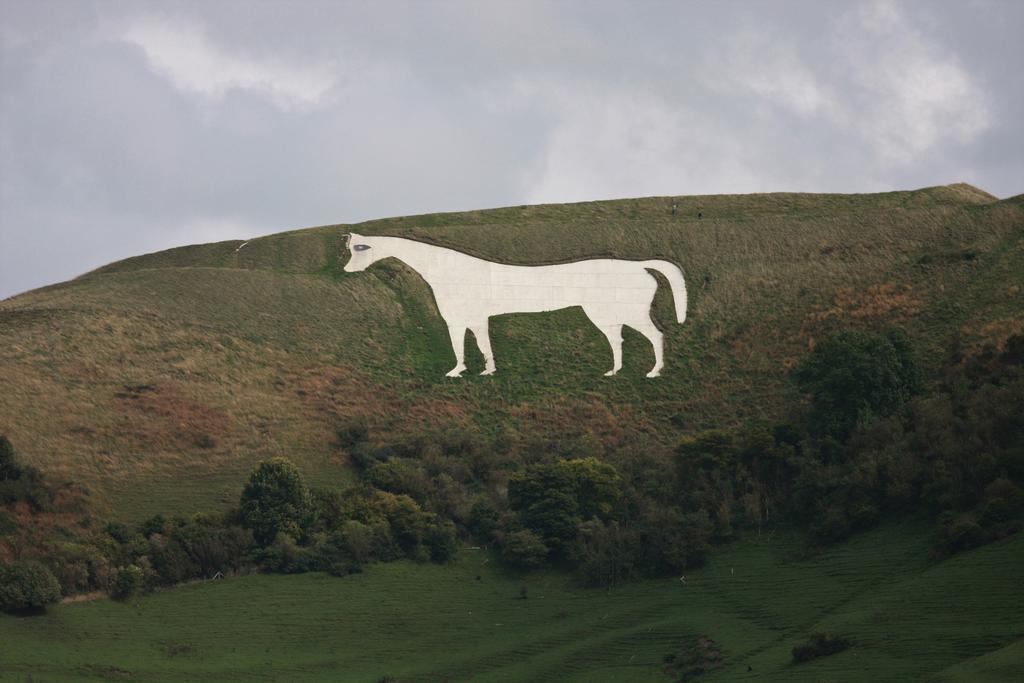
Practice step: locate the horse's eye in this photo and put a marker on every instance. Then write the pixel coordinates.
(361, 247)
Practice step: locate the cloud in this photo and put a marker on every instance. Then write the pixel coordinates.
(194, 63)
(630, 142)
(313, 113)
(881, 80)
(910, 95)
(764, 63)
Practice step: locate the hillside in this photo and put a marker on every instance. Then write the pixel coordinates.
(159, 380)
(908, 619)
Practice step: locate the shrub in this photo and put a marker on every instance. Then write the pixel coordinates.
(282, 555)
(156, 524)
(128, 582)
(80, 567)
(441, 540)
(524, 549)
(963, 533)
(27, 586)
(819, 645)
(350, 432)
(483, 520)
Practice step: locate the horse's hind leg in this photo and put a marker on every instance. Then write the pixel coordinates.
(649, 330)
(614, 335)
(458, 336)
(483, 340)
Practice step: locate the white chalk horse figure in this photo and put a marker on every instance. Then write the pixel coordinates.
(469, 290)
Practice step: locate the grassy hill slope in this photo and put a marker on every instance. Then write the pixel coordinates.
(159, 380)
(908, 619)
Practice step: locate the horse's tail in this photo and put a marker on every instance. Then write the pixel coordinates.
(675, 279)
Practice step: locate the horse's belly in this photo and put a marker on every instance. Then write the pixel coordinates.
(533, 297)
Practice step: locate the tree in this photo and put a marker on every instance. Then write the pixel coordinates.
(441, 540)
(524, 549)
(128, 582)
(27, 586)
(553, 498)
(275, 501)
(855, 375)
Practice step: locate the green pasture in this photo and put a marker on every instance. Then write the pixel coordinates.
(908, 618)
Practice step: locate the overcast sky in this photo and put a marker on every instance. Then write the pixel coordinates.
(128, 127)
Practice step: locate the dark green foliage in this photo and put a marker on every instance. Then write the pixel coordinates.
(605, 554)
(156, 524)
(400, 475)
(128, 582)
(19, 482)
(483, 520)
(441, 540)
(9, 468)
(697, 658)
(27, 586)
(819, 645)
(524, 549)
(7, 523)
(553, 498)
(856, 375)
(117, 531)
(275, 501)
(81, 566)
(351, 432)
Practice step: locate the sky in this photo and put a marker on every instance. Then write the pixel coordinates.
(130, 127)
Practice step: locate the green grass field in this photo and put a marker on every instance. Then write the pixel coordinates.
(908, 619)
(192, 364)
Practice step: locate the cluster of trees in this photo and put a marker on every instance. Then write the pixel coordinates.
(874, 441)
(279, 525)
(544, 507)
(875, 444)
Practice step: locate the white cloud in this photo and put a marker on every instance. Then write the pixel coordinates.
(764, 64)
(913, 95)
(630, 142)
(194, 63)
(885, 83)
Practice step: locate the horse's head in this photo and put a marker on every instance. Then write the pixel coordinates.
(361, 253)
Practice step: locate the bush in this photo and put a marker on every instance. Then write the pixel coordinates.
(819, 645)
(524, 549)
(275, 501)
(128, 582)
(27, 586)
(483, 520)
(350, 432)
(441, 541)
(963, 533)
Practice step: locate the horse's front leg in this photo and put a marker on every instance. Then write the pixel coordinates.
(483, 340)
(458, 336)
(614, 335)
